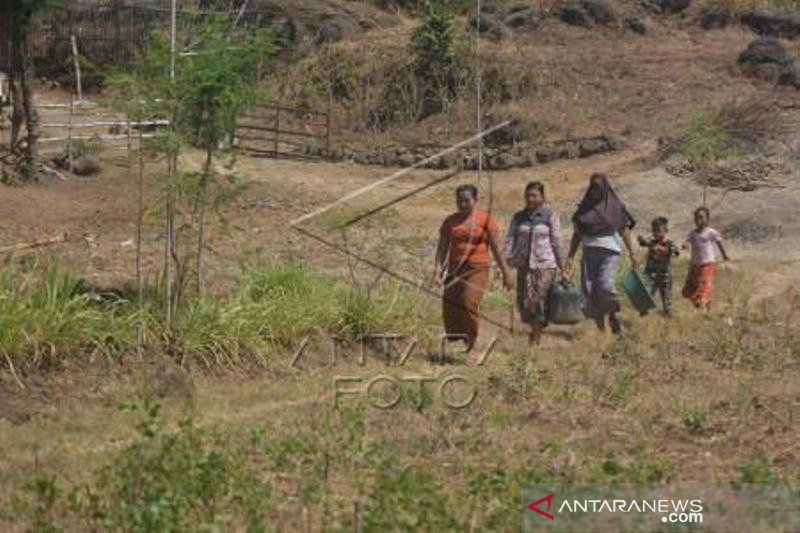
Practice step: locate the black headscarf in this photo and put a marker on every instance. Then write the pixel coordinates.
(601, 212)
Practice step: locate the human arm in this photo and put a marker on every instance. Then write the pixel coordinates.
(440, 256)
(722, 251)
(573, 249)
(500, 258)
(627, 238)
(555, 243)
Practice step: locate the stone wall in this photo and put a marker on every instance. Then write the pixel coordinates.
(519, 156)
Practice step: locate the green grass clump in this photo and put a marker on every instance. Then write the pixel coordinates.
(705, 140)
(45, 315)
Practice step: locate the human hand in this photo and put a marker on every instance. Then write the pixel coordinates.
(508, 284)
(436, 279)
(567, 270)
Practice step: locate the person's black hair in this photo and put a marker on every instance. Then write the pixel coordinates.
(473, 190)
(659, 222)
(703, 209)
(537, 185)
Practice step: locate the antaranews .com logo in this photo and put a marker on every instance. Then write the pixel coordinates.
(671, 511)
(655, 508)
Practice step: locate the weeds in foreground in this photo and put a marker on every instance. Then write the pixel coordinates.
(187, 479)
(47, 314)
(756, 470)
(694, 418)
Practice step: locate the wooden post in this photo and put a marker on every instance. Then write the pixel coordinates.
(78, 84)
(69, 131)
(139, 280)
(328, 122)
(277, 126)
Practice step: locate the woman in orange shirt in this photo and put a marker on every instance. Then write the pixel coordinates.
(466, 239)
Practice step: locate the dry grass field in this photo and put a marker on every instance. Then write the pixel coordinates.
(241, 428)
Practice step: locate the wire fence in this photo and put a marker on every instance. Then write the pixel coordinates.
(112, 32)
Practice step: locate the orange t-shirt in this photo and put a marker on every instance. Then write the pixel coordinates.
(467, 238)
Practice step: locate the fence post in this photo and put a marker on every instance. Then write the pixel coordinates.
(277, 126)
(328, 122)
(69, 132)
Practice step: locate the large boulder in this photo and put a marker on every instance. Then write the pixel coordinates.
(636, 25)
(666, 7)
(85, 166)
(714, 19)
(766, 58)
(519, 18)
(585, 12)
(330, 32)
(487, 25)
(773, 24)
(315, 17)
(287, 31)
(600, 11)
(596, 145)
(573, 14)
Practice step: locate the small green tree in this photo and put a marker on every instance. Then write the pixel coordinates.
(433, 43)
(214, 83)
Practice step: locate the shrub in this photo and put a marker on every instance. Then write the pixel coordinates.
(190, 479)
(404, 499)
(186, 479)
(694, 418)
(756, 470)
(705, 140)
(45, 315)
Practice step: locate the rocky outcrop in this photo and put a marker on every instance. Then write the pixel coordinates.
(496, 23)
(767, 59)
(636, 25)
(586, 12)
(321, 22)
(498, 158)
(488, 25)
(773, 24)
(666, 7)
(711, 19)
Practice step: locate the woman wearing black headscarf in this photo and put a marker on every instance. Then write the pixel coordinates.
(602, 224)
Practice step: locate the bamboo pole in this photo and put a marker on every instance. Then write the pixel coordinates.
(169, 214)
(62, 237)
(76, 61)
(139, 219)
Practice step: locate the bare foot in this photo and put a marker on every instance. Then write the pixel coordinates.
(616, 327)
(473, 357)
(600, 323)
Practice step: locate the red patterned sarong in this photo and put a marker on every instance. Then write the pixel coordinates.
(699, 283)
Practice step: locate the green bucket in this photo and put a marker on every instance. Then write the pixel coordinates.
(637, 292)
